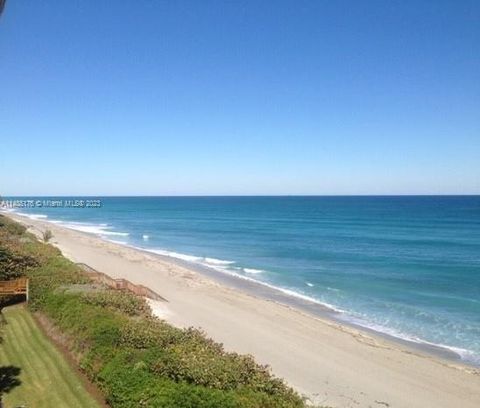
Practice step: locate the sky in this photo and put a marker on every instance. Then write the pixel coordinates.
(239, 97)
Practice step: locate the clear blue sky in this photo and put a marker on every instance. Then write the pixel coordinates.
(239, 97)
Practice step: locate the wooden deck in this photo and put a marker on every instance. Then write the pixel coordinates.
(14, 287)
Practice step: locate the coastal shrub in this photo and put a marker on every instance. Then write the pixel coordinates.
(20, 253)
(11, 228)
(147, 389)
(197, 364)
(120, 301)
(137, 387)
(14, 265)
(135, 359)
(146, 333)
(51, 275)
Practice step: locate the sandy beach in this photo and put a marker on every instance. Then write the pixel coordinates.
(331, 364)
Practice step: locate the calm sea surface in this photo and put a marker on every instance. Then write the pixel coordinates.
(406, 266)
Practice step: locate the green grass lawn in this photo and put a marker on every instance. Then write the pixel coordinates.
(46, 379)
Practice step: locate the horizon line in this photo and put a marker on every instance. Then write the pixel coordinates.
(239, 195)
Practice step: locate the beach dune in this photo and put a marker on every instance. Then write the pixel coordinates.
(331, 364)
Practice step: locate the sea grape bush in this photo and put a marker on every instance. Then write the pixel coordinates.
(14, 265)
(120, 301)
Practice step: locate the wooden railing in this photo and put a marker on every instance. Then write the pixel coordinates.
(14, 287)
(120, 284)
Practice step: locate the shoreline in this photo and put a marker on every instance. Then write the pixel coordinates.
(315, 309)
(303, 322)
(267, 291)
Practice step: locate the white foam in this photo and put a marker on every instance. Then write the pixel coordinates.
(101, 229)
(118, 242)
(95, 229)
(224, 268)
(183, 257)
(33, 216)
(310, 284)
(4, 208)
(215, 261)
(252, 270)
(145, 237)
(311, 299)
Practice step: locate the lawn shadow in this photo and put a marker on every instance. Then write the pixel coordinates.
(9, 378)
(11, 300)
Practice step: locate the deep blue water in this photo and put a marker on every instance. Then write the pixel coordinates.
(407, 266)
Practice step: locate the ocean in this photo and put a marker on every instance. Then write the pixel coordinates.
(406, 266)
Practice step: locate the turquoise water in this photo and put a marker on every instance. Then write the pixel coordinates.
(406, 266)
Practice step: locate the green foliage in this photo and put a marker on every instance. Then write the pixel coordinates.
(11, 228)
(51, 275)
(14, 265)
(137, 360)
(145, 388)
(198, 360)
(119, 300)
(131, 384)
(20, 253)
(146, 333)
